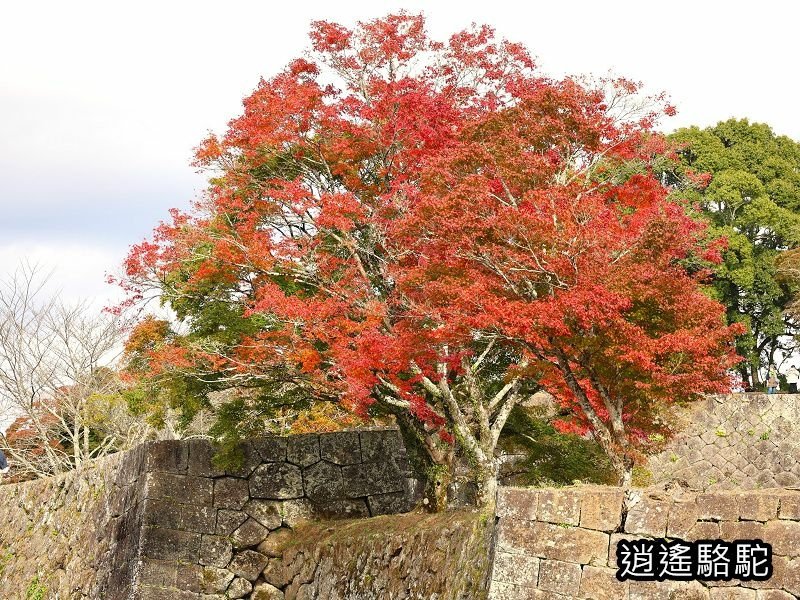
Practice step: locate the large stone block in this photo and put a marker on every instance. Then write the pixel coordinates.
(170, 544)
(276, 481)
(303, 450)
(389, 504)
(558, 576)
(182, 489)
(741, 530)
(517, 503)
(271, 448)
(345, 508)
(214, 580)
(265, 591)
(790, 505)
(248, 459)
(162, 513)
(323, 481)
(266, 512)
(341, 447)
(519, 569)
(250, 533)
(168, 456)
(784, 537)
(248, 564)
(601, 583)
(601, 509)
(682, 518)
(372, 478)
(559, 507)
(239, 588)
(201, 519)
(231, 493)
(718, 506)
(545, 540)
(648, 516)
(381, 445)
(229, 520)
(215, 551)
(201, 455)
(158, 573)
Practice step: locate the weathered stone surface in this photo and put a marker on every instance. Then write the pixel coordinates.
(667, 590)
(790, 506)
(519, 569)
(296, 512)
(182, 489)
(273, 545)
(231, 493)
(215, 580)
(248, 564)
(169, 456)
(601, 509)
(266, 512)
(371, 478)
(239, 588)
(517, 503)
(323, 481)
(276, 481)
(648, 517)
(229, 520)
(600, 583)
(249, 459)
(271, 448)
(718, 506)
(265, 591)
(158, 573)
(249, 533)
(559, 507)
(682, 518)
(784, 537)
(215, 551)
(546, 540)
(201, 454)
(200, 519)
(389, 504)
(377, 445)
(170, 544)
(354, 508)
(340, 447)
(558, 576)
(731, 593)
(773, 595)
(303, 450)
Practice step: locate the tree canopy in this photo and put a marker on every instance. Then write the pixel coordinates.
(434, 230)
(751, 197)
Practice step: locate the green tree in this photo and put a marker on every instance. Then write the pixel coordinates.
(752, 198)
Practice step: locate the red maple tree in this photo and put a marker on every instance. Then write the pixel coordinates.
(436, 230)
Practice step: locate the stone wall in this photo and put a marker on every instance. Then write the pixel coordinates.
(561, 543)
(162, 522)
(213, 534)
(419, 556)
(736, 441)
(75, 536)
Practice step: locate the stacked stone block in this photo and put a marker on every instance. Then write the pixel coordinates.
(561, 543)
(211, 534)
(735, 441)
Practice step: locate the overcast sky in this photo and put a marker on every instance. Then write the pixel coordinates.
(101, 103)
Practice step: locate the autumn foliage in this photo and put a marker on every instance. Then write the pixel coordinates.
(435, 230)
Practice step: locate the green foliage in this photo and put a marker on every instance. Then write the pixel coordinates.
(36, 590)
(753, 201)
(553, 458)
